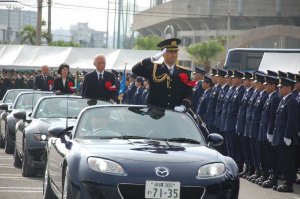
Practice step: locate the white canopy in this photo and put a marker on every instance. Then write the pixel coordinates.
(287, 62)
(31, 57)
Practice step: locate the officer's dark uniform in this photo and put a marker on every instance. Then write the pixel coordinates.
(137, 97)
(210, 115)
(218, 113)
(197, 90)
(267, 124)
(166, 89)
(204, 100)
(285, 136)
(241, 121)
(233, 140)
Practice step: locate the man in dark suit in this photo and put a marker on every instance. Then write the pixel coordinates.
(99, 84)
(204, 99)
(43, 82)
(170, 84)
(137, 97)
(285, 134)
(197, 90)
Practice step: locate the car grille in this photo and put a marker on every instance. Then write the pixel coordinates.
(129, 191)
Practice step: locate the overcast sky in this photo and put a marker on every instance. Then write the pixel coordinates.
(69, 12)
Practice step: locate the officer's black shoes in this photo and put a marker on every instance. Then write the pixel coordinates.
(285, 188)
(270, 183)
(254, 176)
(297, 181)
(275, 188)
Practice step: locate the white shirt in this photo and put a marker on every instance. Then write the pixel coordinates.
(98, 73)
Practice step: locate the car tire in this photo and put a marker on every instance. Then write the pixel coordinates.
(8, 145)
(27, 170)
(67, 188)
(17, 161)
(47, 190)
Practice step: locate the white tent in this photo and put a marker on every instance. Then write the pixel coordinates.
(287, 62)
(33, 57)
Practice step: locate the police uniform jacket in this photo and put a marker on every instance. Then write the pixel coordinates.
(64, 88)
(241, 116)
(165, 90)
(268, 116)
(249, 111)
(219, 106)
(210, 114)
(93, 88)
(144, 97)
(197, 93)
(225, 107)
(256, 114)
(130, 93)
(233, 108)
(203, 103)
(137, 98)
(19, 82)
(286, 121)
(43, 84)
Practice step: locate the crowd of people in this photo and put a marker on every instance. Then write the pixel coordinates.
(257, 114)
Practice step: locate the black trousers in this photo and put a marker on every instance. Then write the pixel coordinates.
(286, 160)
(265, 157)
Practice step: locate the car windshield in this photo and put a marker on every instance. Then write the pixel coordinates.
(137, 123)
(60, 107)
(11, 96)
(28, 100)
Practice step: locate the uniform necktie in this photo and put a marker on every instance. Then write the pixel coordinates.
(100, 77)
(171, 70)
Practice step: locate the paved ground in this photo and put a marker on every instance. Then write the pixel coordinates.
(14, 186)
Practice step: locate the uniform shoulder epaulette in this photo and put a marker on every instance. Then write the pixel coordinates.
(158, 64)
(184, 68)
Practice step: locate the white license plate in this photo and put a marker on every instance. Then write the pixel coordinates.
(162, 189)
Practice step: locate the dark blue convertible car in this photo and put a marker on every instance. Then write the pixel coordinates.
(134, 152)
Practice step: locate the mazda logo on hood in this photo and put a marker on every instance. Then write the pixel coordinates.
(162, 171)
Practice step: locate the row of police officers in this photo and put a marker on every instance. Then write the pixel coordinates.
(258, 115)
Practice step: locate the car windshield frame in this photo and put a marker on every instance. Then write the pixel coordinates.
(134, 122)
(11, 95)
(35, 96)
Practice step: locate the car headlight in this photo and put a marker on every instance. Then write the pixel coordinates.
(105, 166)
(211, 170)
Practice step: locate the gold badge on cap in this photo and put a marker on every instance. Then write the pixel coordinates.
(173, 43)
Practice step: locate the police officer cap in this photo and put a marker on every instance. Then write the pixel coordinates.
(272, 73)
(207, 79)
(247, 75)
(271, 80)
(169, 44)
(221, 73)
(284, 81)
(297, 78)
(260, 77)
(282, 74)
(229, 73)
(291, 75)
(139, 79)
(199, 70)
(237, 74)
(213, 72)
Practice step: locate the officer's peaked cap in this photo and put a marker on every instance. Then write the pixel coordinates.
(271, 80)
(169, 44)
(199, 70)
(284, 81)
(272, 73)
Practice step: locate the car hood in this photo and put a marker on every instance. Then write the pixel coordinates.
(44, 123)
(148, 150)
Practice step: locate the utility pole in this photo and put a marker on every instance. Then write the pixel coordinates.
(49, 20)
(228, 25)
(107, 22)
(114, 37)
(39, 22)
(120, 9)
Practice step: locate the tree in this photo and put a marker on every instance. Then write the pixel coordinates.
(202, 53)
(28, 35)
(147, 43)
(63, 43)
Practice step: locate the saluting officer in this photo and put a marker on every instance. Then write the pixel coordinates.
(285, 134)
(241, 119)
(197, 90)
(170, 84)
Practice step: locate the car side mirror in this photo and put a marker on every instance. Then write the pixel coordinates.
(20, 115)
(4, 107)
(59, 131)
(214, 139)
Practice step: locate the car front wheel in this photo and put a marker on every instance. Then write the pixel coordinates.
(47, 190)
(27, 170)
(8, 143)
(17, 161)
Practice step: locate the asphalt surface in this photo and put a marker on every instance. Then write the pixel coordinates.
(14, 186)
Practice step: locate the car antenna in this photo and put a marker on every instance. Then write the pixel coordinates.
(32, 96)
(67, 120)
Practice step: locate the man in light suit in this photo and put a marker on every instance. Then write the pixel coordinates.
(99, 84)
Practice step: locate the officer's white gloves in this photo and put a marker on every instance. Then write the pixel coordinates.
(180, 108)
(269, 137)
(159, 55)
(287, 141)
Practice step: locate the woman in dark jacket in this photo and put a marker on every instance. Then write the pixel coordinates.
(64, 84)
